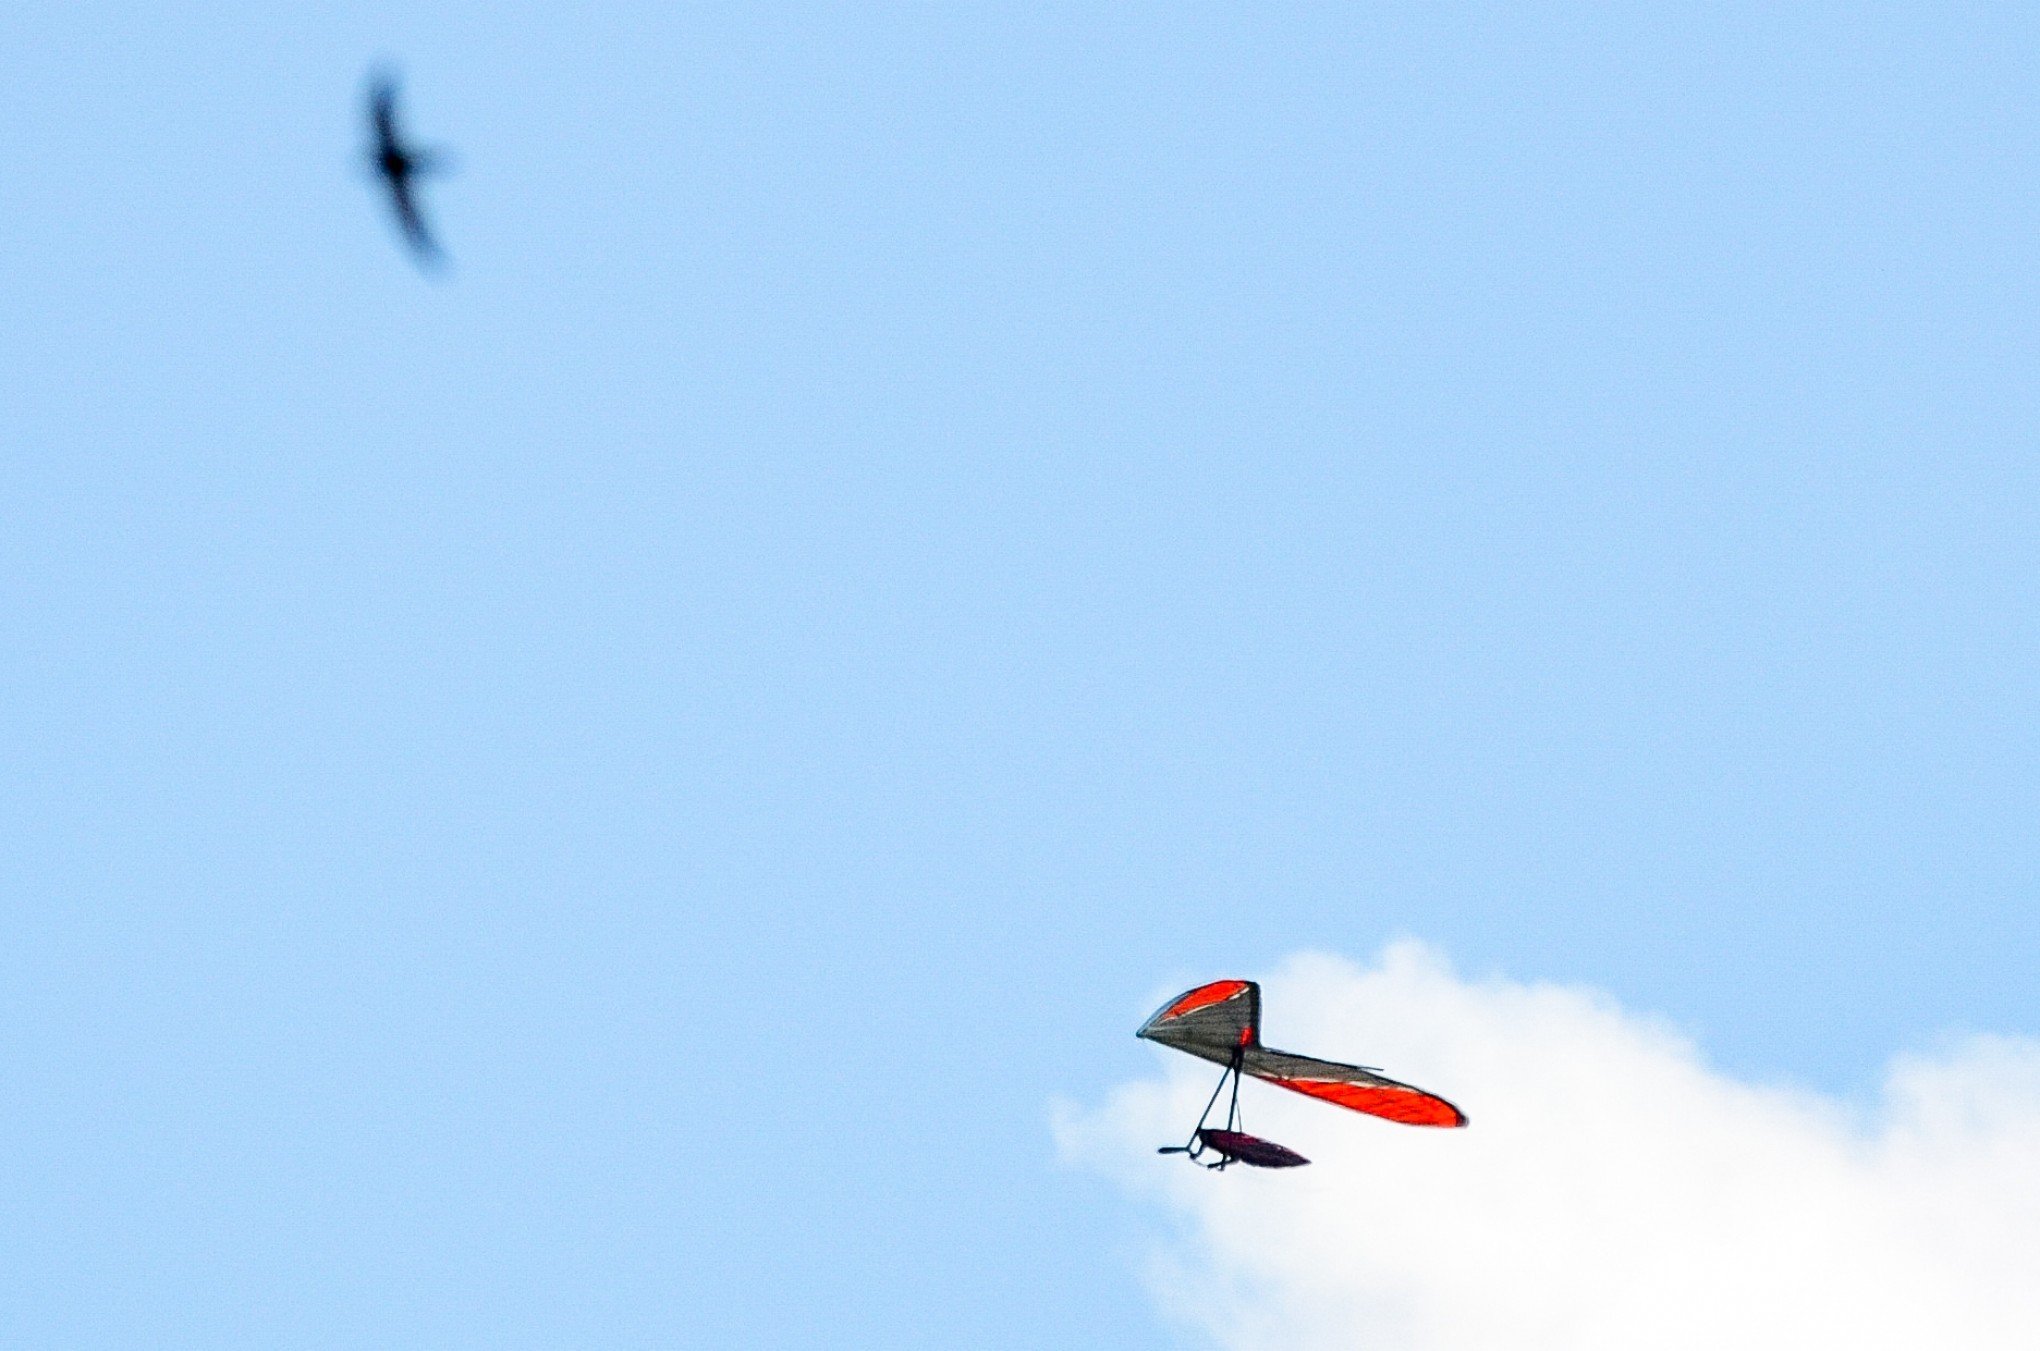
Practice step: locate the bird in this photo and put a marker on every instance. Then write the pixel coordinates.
(400, 166)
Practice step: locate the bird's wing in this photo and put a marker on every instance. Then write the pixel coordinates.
(413, 222)
(382, 110)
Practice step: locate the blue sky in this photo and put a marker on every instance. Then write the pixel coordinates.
(597, 800)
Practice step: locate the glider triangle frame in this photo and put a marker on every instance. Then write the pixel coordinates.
(1230, 1143)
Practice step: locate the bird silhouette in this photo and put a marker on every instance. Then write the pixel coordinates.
(400, 166)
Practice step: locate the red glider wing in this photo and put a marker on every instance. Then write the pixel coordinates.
(1219, 1021)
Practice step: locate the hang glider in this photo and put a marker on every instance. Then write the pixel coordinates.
(1221, 1022)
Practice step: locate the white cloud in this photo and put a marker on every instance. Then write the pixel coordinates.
(1613, 1193)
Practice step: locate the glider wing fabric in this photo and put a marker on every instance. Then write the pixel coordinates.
(1222, 1020)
